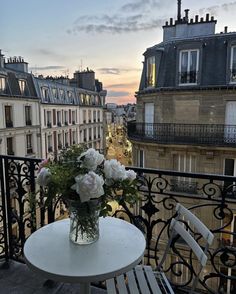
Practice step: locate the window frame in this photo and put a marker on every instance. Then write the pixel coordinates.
(188, 66)
(153, 70)
(233, 47)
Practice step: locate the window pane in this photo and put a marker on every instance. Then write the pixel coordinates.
(151, 71)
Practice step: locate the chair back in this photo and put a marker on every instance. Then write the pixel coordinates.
(178, 227)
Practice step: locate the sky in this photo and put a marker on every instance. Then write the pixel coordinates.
(58, 37)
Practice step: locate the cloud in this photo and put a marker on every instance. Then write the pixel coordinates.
(117, 93)
(114, 24)
(123, 85)
(217, 9)
(115, 70)
(48, 67)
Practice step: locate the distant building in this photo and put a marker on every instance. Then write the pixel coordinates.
(43, 115)
(19, 107)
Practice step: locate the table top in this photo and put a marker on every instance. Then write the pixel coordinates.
(119, 248)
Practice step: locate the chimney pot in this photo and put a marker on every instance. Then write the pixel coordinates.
(207, 17)
(196, 18)
(166, 23)
(212, 18)
(171, 21)
(201, 19)
(226, 30)
(191, 20)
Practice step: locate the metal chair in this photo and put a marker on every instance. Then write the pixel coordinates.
(143, 280)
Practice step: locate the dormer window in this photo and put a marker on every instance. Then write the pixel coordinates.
(45, 93)
(2, 84)
(188, 67)
(233, 65)
(22, 85)
(151, 71)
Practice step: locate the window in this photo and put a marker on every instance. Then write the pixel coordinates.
(141, 158)
(29, 149)
(84, 116)
(50, 143)
(151, 71)
(59, 118)
(10, 150)
(66, 140)
(8, 116)
(188, 66)
(233, 65)
(73, 118)
(85, 135)
(90, 134)
(94, 116)
(62, 94)
(28, 121)
(74, 137)
(45, 93)
(59, 139)
(66, 118)
(98, 115)
(94, 133)
(49, 119)
(89, 116)
(22, 85)
(184, 163)
(54, 93)
(2, 85)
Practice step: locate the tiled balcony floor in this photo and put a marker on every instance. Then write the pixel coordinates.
(19, 279)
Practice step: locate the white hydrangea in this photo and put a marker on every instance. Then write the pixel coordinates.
(131, 175)
(89, 186)
(43, 177)
(114, 170)
(91, 159)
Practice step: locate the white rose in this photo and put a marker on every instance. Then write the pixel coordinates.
(131, 175)
(43, 177)
(88, 186)
(91, 159)
(114, 170)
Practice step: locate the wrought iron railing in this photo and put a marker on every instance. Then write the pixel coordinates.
(210, 197)
(171, 133)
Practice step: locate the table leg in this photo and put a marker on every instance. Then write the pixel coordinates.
(85, 288)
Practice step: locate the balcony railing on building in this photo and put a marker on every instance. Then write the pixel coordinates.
(211, 197)
(171, 133)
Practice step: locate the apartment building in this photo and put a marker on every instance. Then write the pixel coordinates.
(186, 116)
(186, 103)
(19, 110)
(69, 114)
(40, 116)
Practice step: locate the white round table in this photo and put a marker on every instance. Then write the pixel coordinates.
(119, 248)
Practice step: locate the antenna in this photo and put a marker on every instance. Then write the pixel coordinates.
(81, 64)
(179, 11)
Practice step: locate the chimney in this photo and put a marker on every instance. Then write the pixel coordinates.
(179, 11)
(17, 63)
(186, 14)
(2, 59)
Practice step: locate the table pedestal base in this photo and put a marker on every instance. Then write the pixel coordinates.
(85, 288)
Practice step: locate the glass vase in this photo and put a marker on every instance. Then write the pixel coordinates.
(84, 221)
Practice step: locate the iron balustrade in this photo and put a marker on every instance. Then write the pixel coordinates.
(171, 133)
(211, 197)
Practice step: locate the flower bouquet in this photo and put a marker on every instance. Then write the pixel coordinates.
(87, 183)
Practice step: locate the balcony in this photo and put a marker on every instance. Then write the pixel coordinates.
(208, 196)
(189, 134)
